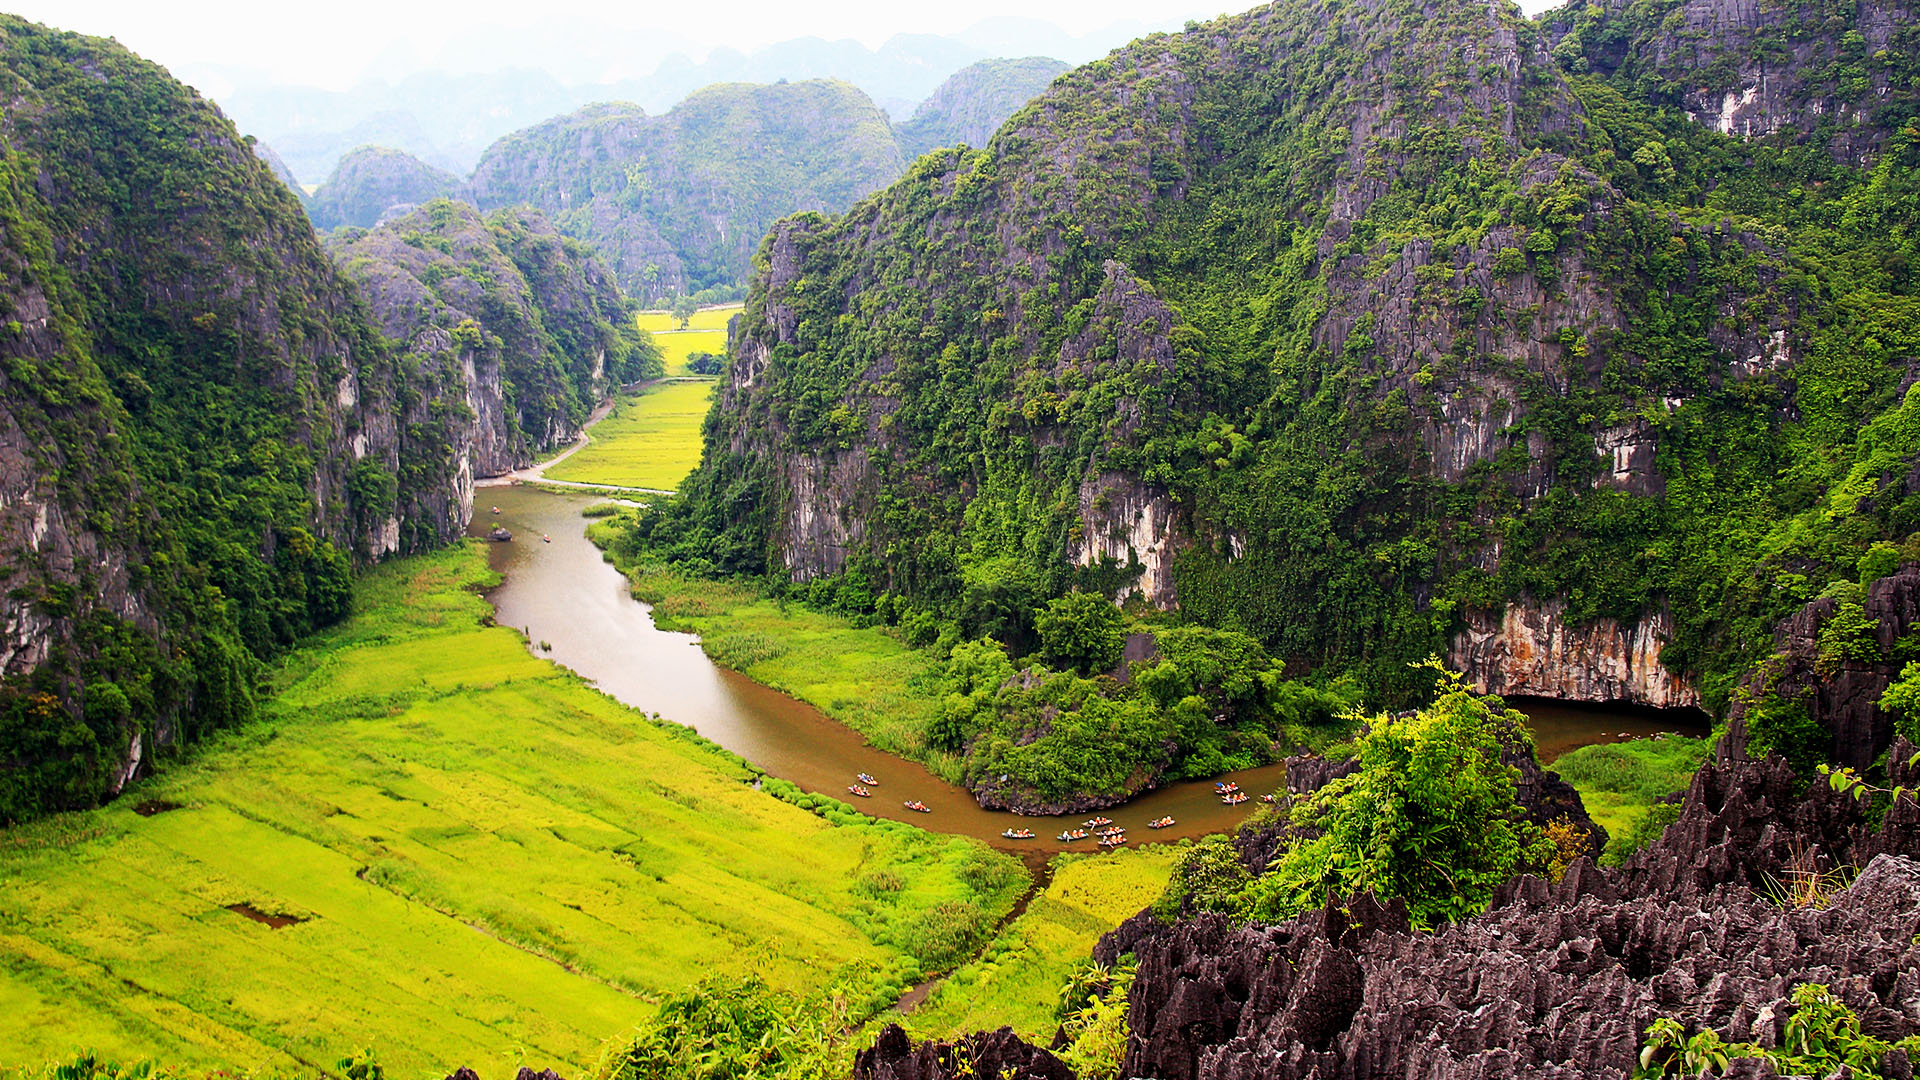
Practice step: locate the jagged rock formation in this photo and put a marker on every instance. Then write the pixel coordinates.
(1533, 650)
(373, 183)
(1837, 694)
(677, 203)
(521, 326)
(999, 1054)
(974, 101)
(1339, 326)
(1557, 981)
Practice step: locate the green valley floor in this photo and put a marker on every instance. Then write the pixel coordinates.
(649, 440)
(439, 846)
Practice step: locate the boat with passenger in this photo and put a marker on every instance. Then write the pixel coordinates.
(1072, 834)
(1018, 834)
(1095, 823)
(856, 789)
(917, 806)
(1112, 841)
(1161, 822)
(867, 780)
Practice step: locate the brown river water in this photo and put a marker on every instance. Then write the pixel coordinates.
(562, 592)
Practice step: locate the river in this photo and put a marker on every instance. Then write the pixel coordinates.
(564, 595)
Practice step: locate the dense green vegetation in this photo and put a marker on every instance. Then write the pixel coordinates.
(650, 440)
(185, 498)
(372, 180)
(1622, 785)
(1377, 381)
(1429, 817)
(483, 858)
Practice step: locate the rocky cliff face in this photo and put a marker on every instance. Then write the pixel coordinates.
(678, 202)
(200, 431)
(373, 183)
(520, 331)
(974, 101)
(1753, 69)
(1532, 650)
(1368, 330)
(1833, 683)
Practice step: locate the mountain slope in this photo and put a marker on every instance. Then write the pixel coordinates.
(202, 429)
(1368, 328)
(676, 203)
(972, 104)
(373, 181)
(535, 317)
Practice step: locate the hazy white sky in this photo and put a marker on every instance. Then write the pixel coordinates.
(333, 41)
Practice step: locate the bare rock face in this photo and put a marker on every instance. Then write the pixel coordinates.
(1845, 699)
(1533, 650)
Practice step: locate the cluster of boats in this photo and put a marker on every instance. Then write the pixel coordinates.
(1229, 793)
(861, 785)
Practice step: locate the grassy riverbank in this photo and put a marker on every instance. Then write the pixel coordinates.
(473, 858)
(650, 440)
(1620, 782)
(864, 677)
(1017, 980)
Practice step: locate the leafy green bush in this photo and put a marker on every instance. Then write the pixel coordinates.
(1822, 1037)
(1430, 817)
(1081, 631)
(722, 1029)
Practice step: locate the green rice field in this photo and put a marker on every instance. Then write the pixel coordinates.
(650, 440)
(1016, 981)
(712, 318)
(705, 332)
(438, 846)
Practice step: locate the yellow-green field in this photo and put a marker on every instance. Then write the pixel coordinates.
(494, 864)
(712, 318)
(705, 332)
(650, 440)
(1017, 980)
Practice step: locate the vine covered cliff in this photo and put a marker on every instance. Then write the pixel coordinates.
(1377, 329)
(202, 427)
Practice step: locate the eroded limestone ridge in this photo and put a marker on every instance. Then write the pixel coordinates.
(1556, 981)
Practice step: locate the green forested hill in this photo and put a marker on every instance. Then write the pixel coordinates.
(202, 430)
(973, 102)
(678, 202)
(372, 180)
(1352, 325)
(533, 315)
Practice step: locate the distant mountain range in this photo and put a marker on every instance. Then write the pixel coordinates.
(678, 202)
(446, 110)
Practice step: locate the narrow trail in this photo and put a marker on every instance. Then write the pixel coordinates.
(537, 474)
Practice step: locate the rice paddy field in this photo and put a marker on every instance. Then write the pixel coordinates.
(1016, 981)
(705, 332)
(650, 440)
(438, 846)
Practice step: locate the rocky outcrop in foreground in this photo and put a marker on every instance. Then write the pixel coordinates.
(1555, 981)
